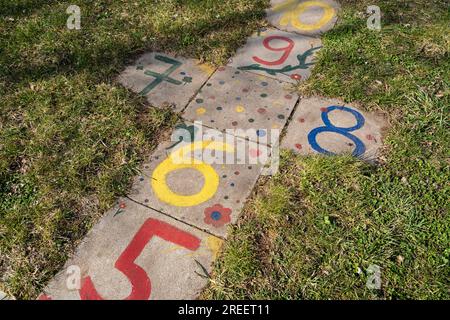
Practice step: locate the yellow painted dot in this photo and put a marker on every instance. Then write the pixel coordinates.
(200, 111)
(240, 109)
(275, 126)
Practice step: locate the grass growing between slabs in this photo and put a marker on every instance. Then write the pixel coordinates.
(71, 138)
(313, 230)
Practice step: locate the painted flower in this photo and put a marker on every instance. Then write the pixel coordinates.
(217, 215)
(296, 76)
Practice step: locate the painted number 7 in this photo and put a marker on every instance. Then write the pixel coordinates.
(140, 282)
(287, 50)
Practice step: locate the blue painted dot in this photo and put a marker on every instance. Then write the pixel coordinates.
(264, 84)
(221, 82)
(216, 215)
(260, 133)
(238, 98)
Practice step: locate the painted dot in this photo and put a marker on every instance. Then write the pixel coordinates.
(208, 84)
(260, 133)
(280, 116)
(238, 201)
(264, 84)
(263, 95)
(146, 200)
(141, 179)
(221, 82)
(216, 215)
(199, 100)
(298, 146)
(237, 72)
(226, 197)
(237, 173)
(261, 110)
(224, 176)
(240, 109)
(245, 90)
(212, 121)
(200, 111)
(251, 120)
(221, 69)
(288, 96)
(301, 120)
(232, 184)
(324, 109)
(183, 73)
(212, 98)
(219, 108)
(250, 167)
(238, 98)
(369, 137)
(234, 123)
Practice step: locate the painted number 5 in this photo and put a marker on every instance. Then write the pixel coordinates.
(287, 50)
(140, 282)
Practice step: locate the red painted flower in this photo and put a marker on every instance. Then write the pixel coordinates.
(217, 215)
(296, 76)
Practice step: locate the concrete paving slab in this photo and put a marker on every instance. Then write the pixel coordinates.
(207, 195)
(166, 81)
(309, 17)
(234, 99)
(285, 56)
(139, 254)
(329, 126)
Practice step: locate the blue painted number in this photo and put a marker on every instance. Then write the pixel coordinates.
(329, 127)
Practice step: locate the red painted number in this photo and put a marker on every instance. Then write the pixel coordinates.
(287, 50)
(140, 282)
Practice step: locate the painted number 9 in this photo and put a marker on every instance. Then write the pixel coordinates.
(287, 50)
(329, 127)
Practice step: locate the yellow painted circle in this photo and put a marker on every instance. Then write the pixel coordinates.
(175, 162)
(164, 193)
(293, 16)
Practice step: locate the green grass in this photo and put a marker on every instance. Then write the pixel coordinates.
(71, 138)
(312, 231)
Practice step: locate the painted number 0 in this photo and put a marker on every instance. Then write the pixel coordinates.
(329, 127)
(140, 282)
(287, 50)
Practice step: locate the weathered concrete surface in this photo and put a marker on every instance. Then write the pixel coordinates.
(309, 17)
(137, 253)
(4, 296)
(165, 80)
(285, 56)
(329, 126)
(234, 99)
(207, 195)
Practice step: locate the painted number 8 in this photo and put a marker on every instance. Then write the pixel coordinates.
(329, 127)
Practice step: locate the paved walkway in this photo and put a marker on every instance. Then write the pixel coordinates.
(161, 240)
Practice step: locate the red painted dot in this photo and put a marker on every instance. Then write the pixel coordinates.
(221, 69)
(212, 98)
(234, 123)
(324, 109)
(298, 146)
(288, 96)
(262, 110)
(245, 90)
(237, 173)
(369, 137)
(301, 120)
